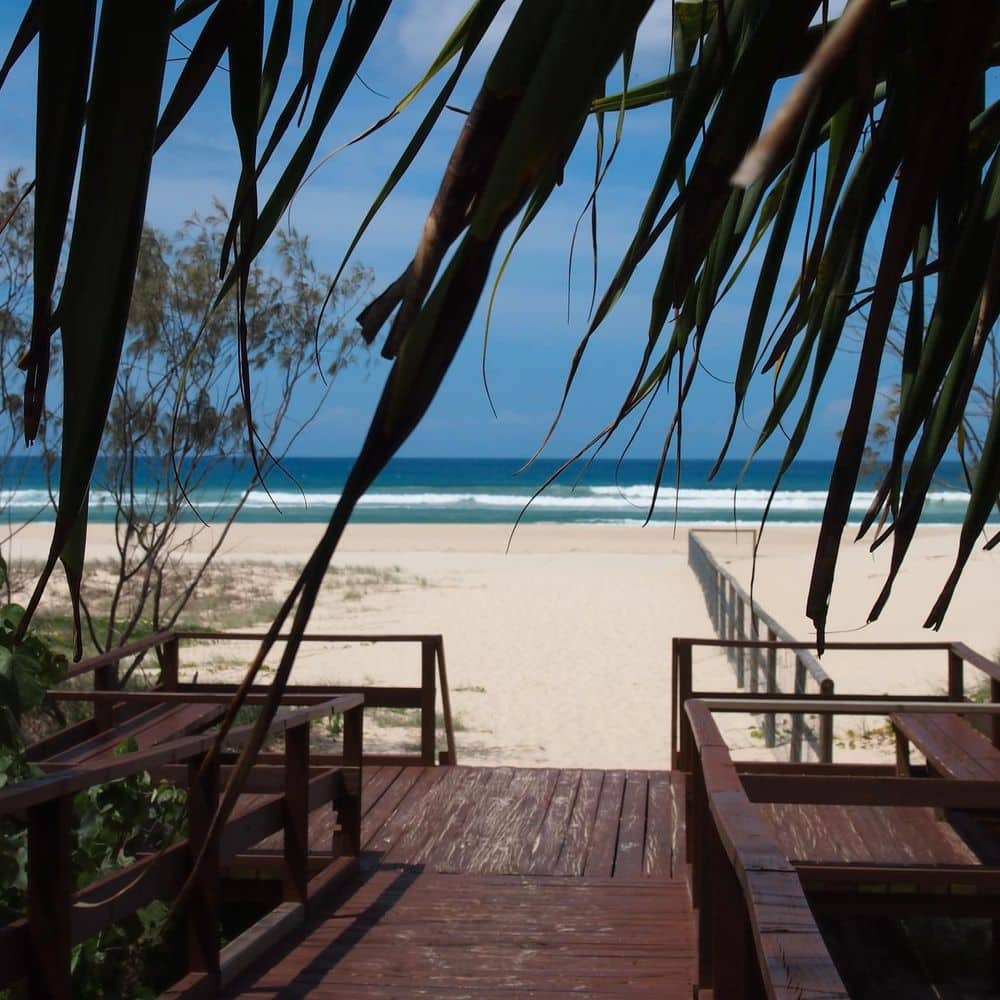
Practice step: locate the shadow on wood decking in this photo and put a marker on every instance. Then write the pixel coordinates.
(502, 882)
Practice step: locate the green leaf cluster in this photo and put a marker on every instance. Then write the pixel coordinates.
(28, 667)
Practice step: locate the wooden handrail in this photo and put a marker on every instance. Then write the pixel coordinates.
(682, 687)
(982, 663)
(35, 791)
(758, 614)
(735, 858)
(309, 637)
(422, 696)
(118, 653)
(848, 705)
(40, 946)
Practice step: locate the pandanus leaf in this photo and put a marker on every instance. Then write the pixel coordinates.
(464, 41)
(546, 118)
(362, 26)
(277, 53)
(319, 24)
(940, 388)
(245, 82)
(129, 62)
(26, 32)
(64, 53)
(202, 61)
(760, 306)
(943, 97)
(188, 10)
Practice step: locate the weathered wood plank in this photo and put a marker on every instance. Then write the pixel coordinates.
(604, 839)
(449, 936)
(573, 856)
(632, 827)
(952, 747)
(548, 844)
(514, 836)
(461, 853)
(424, 822)
(406, 811)
(375, 818)
(465, 799)
(678, 812)
(658, 860)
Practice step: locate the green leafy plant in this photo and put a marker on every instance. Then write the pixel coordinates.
(28, 667)
(113, 823)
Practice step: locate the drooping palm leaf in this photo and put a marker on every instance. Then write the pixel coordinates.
(122, 106)
(892, 97)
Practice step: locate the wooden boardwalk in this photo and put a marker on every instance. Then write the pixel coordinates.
(502, 882)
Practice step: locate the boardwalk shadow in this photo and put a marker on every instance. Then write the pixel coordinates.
(348, 917)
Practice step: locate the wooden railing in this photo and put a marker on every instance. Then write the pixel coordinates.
(737, 618)
(59, 916)
(749, 901)
(683, 688)
(110, 709)
(757, 933)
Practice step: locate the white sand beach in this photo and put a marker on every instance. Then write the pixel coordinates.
(558, 650)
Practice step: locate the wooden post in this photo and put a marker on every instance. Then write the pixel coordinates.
(740, 651)
(956, 679)
(734, 609)
(733, 962)
(449, 725)
(723, 628)
(902, 754)
(709, 854)
(771, 685)
(296, 801)
(994, 718)
(170, 665)
(50, 889)
(826, 725)
(683, 738)
(428, 701)
(696, 810)
(203, 909)
(795, 747)
(350, 808)
(105, 679)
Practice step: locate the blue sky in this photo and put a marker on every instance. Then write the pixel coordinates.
(530, 340)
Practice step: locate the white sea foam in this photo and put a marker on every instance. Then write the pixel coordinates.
(603, 501)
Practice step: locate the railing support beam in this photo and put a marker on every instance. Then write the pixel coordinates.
(50, 888)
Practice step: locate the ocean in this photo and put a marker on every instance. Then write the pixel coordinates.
(494, 491)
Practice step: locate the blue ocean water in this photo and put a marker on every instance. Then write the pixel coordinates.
(462, 490)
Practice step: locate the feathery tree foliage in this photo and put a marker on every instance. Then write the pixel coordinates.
(887, 141)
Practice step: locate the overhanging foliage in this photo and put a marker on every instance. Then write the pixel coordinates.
(887, 141)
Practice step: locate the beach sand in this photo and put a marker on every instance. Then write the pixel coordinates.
(558, 650)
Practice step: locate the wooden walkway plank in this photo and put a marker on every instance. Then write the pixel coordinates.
(604, 839)
(658, 860)
(448, 936)
(514, 838)
(475, 886)
(629, 852)
(573, 856)
(460, 854)
(475, 784)
(374, 782)
(678, 832)
(424, 824)
(375, 819)
(549, 841)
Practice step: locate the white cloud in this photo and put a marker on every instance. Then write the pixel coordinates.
(426, 25)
